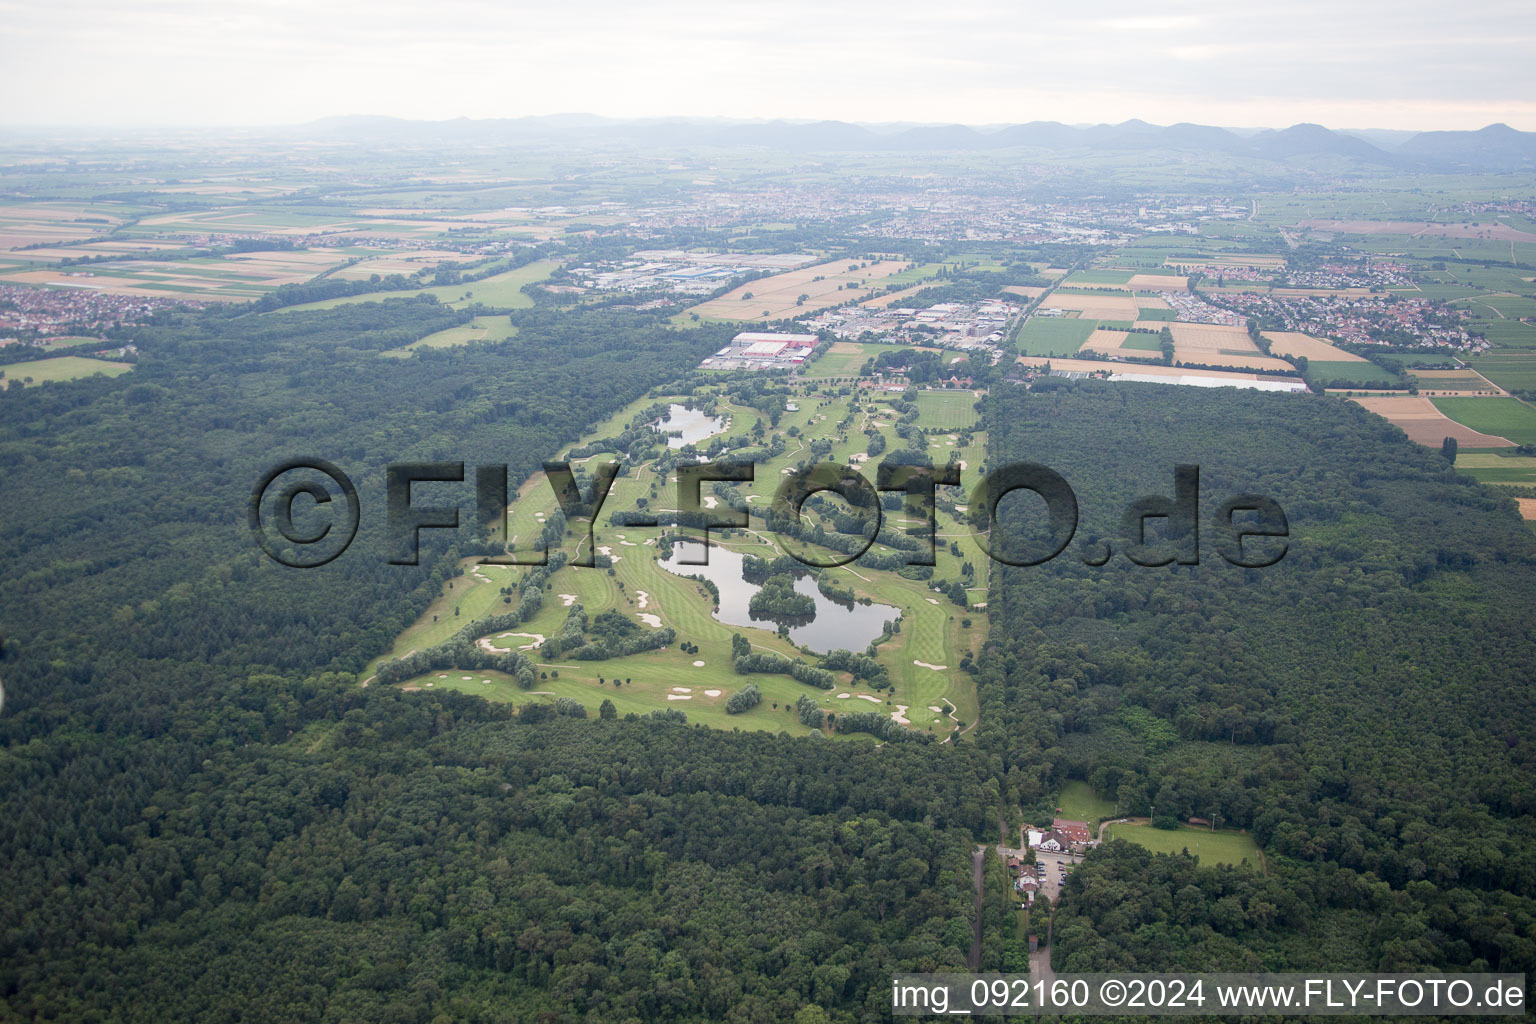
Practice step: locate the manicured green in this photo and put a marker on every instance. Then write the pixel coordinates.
(922, 659)
(954, 409)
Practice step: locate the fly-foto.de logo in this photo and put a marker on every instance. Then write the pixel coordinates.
(305, 512)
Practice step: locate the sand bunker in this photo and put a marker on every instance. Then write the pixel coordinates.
(679, 696)
(924, 664)
(698, 664)
(899, 716)
(569, 599)
(654, 621)
(711, 501)
(865, 696)
(711, 693)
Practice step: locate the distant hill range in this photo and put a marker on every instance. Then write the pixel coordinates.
(1497, 147)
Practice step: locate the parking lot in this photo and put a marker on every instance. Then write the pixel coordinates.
(1050, 884)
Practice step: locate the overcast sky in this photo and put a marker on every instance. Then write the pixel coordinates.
(1342, 63)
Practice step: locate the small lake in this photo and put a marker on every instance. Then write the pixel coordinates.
(692, 424)
(835, 626)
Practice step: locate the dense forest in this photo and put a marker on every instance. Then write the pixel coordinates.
(208, 819)
(1363, 706)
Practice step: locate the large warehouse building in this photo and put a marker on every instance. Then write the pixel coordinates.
(753, 350)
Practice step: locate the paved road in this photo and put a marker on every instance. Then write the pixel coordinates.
(977, 863)
(1040, 959)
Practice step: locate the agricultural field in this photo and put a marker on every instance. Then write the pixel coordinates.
(60, 368)
(238, 277)
(1222, 847)
(1295, 344)
(1498, 468)
(1026, 291)
(1090, 365)
(1095, 307)
(779, 296)
(1156, 279)
(1050, 336)
(1513, 371)
(1364, 372)
(1424, 422)
(23, 224)
(1217, 345)
(1452, 381)
(927, 690)
(1504, 417)
(1098, 277)
(1117, 343)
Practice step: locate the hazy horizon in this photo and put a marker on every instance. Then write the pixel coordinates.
(265, 63)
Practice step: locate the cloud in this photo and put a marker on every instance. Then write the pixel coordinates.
(1408, 64)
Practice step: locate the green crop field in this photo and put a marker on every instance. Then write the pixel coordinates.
(1078, 802)
(1505, 417)
(1503, 333)
(1513, 371)
(1211, 847)
(1049, 336)
(953, 409)
(1158, 314)
(1143, 342)
(1497, 468)
(1416, 359)
(1326, 372)
(60, 368)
